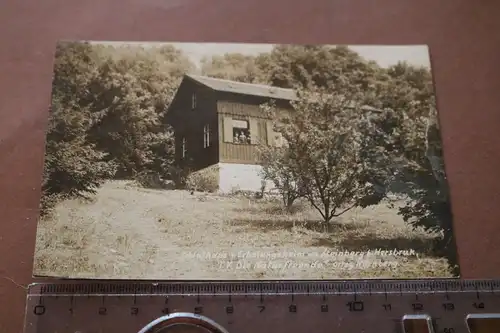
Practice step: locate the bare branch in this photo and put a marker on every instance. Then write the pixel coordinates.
(345, 210)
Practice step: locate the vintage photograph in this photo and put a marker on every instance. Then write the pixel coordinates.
(211, 161)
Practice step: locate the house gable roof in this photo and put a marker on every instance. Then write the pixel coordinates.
(244, 88)
(252, 89)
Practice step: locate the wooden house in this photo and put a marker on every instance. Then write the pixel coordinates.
(218, 125)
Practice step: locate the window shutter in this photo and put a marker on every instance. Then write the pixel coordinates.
(254, 130)
(270, 133)
(227, 124)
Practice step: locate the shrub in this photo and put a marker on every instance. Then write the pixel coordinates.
(179, 176)
(150, 179)
(203, 181)
(47, 204)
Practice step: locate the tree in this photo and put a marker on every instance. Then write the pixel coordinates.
(233, 66)
(107, 116)
(328, 138)
(309, 66)
(134, 89)
(280, 169)
(412, 163)
(428, 199)
(417, 147)
(73, 167)
(75, 68)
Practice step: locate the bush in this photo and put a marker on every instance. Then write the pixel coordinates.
(279, 169)
(178, 176)
(150, 179)
(47, 204)
(203, 181)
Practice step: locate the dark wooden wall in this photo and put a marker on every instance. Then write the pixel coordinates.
(189, 123)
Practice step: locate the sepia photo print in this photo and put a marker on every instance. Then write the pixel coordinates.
(210, 161)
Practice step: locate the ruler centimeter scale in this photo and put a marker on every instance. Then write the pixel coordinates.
(378, 306)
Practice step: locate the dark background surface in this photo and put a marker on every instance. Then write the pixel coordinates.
(464, 40)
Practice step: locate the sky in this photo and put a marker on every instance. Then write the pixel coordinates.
(384, 55)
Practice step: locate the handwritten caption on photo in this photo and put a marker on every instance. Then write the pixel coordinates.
(287, 260)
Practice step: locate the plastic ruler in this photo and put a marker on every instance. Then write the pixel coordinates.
(372, 306)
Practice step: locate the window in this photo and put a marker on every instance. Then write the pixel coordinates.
(183, 148)
(193, 101)
(206, 136)
(241, 132)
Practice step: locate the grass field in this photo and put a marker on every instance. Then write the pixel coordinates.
(128, 232)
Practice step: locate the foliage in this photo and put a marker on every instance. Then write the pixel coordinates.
(428, 204)
(233, 66)
(203, 181)
(74, 164)
(179, 175)
(407, 133)
(133, 92)
(150, 179)
(73, 167)
(310, 66)
(417, 144)
(329, 145)
(107, 116)
(278, 167)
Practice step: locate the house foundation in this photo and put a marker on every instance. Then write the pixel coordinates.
(240, 177)
(233, 177)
